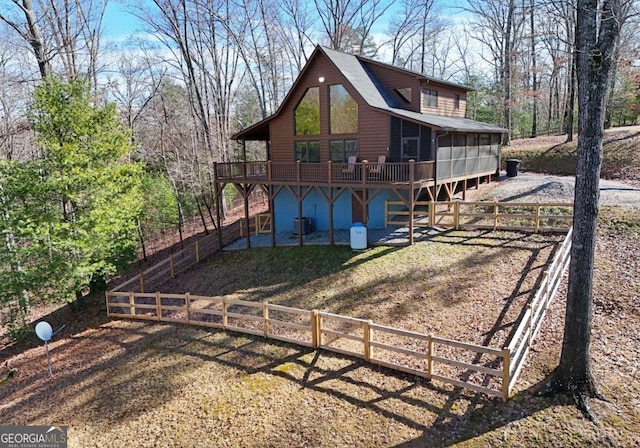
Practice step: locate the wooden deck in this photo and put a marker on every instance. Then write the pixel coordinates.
(355, 174)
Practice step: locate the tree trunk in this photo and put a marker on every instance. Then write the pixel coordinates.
(594, 50)
(534, 74)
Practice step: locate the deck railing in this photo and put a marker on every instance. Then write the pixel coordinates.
(326, 173)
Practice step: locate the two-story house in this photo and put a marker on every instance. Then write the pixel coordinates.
(353, 133)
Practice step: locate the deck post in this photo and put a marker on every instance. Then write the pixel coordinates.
(245, 200)
(299, 199)
(271, 202)
(412, 167)
(217, 193)
(330, 174)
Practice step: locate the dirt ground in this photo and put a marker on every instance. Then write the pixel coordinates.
(534, 187)
(124, 383)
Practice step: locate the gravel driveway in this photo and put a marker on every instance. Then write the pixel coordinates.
(532, 187)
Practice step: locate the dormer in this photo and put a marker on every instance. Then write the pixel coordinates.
(442, 99)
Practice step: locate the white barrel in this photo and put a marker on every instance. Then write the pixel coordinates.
(358, 236)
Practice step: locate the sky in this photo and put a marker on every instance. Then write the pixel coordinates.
(118, 23)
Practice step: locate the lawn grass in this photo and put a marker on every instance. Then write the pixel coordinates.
(120, 383)
(435, 287)
(127, 383)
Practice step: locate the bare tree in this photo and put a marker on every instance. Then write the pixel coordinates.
(347, 24)
(598, 25)
(497, 24)
(412, 32)
(64, 35)
(22, 18)
(295, 33)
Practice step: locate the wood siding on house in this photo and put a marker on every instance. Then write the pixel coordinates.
(446, 100)
(372, 124)
(395, 79)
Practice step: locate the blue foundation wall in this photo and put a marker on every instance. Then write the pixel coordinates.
(316, 208)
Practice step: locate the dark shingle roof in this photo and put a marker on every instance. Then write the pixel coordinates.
(377, 96)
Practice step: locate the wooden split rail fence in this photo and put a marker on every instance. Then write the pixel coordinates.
(532, 320)
(522, 216)
(180, 261)
(475, 367)
(492, 371)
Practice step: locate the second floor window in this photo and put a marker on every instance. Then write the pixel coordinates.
(307, 151)
(430, 98)
(307, 113)
(341, 150)
(343, 111)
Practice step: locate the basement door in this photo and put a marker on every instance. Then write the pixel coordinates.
(357, 209)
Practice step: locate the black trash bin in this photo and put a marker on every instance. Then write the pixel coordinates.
(512, 167)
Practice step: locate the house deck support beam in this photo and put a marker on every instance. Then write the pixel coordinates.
(411, 199)
(330, 202)
(271, 203)
(217, 192)
(299, 199)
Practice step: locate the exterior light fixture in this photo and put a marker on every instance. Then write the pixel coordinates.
(321, 79)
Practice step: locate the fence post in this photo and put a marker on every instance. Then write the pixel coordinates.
(456, 215)
(429, 357)
(531, 328)
(537, 223)
(197, 251)
(495, 215)
(171, 265)
(506, 366)
(265, 319)
(141, 282)
(158, 306)
(366, 326)
(316, 328)
(106, 295)
(132, 304)
(225, 319)
(188, 306)
(386, 213)
(432, 213)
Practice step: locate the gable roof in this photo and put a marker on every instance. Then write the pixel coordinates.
(376, 95)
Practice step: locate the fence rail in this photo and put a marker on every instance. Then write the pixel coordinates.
(407, 351)
(180, 261)
(532, 320)
(488, 370)
(522, 216)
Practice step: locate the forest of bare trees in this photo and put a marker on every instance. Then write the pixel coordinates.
(193, 72)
